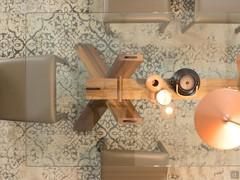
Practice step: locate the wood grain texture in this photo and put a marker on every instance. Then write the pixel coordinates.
(125, 65)
(97, 68)
(120, 88)
(90, 115)
(91, 60)
(135, 89)
(124, 112)
(108, 88)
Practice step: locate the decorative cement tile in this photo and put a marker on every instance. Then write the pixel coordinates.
(12, 151)
(57, 145)
(196, 173)
(209, 49)
(37, 6)
(12, 35)
(12, 134)
(184, 12)
(56, 173)
(12, 6)
(206, 173)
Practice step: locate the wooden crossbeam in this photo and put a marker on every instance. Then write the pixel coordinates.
(136, 90)
(108, 89)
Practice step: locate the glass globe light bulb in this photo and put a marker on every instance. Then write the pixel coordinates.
(164, 97)
(169, 110)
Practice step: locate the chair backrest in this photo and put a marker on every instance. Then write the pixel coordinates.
(12, 89)
(28, 89)
(135, 6)
(136, 11)
(217, 11)
(134, 165)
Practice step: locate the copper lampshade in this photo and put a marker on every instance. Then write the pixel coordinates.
(217, 119)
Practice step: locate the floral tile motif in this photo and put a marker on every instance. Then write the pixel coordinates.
(79, 173)
(37, 6)
(206, 173)
(12, 139)
(12, 6)
(12, 35)
(53, 27)
(57, 33)
(56, 173)
(58, 145)
(196, 173)
(184, 12)
(12, 134)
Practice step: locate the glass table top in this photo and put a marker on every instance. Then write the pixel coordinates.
(209, 49)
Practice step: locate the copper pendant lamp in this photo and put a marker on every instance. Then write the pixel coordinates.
(217, 119)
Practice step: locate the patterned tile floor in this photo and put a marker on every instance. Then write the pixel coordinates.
(40, 151)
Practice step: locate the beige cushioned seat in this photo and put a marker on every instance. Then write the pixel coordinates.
(217, 11)
(120, 11)
(28, 89)
(134, 165)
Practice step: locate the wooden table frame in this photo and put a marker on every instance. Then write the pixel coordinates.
(112, 88)
(108, 89)
(123, 67)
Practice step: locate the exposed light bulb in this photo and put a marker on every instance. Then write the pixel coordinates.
(164, 97)
(169, 110)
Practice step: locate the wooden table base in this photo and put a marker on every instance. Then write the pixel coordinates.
(112, 88)
(124, 66)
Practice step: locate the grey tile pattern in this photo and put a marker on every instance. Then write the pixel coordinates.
(33, 6)
(196, 173)
(183, 17)
(12, 6)
(54, 151)
(12, 149)
(184, 151)
(12, 35)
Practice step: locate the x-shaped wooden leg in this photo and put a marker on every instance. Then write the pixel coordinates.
(123, 67)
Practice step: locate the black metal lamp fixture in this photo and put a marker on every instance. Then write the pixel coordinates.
(185, 82)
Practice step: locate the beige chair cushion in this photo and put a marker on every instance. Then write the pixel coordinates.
(134, 165)
(217, 11)
(136, 11)
(28, 89)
